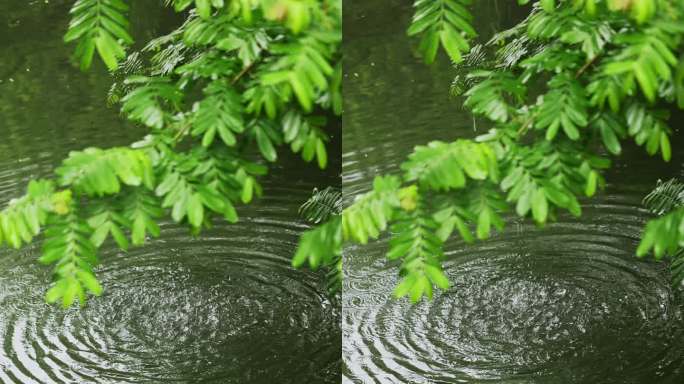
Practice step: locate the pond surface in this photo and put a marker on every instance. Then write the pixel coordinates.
(225, 307)
(566, 304)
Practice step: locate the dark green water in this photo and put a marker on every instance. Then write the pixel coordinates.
(222, 308)
(566, 304)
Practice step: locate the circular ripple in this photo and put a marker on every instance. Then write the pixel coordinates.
(568, 304)
(224, 308)
(565, 304)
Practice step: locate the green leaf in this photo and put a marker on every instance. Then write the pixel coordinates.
(203, 8)
(221, 111)
(483, 224)
(380, 204)
(647, 241)
(405, 286)
(229, 213)
(429, 46)
(321, 154)
(98, 172)
(180, 5)
(447, 21)
(540, 207)
(109, 50)
(398, 251)
(247, 190)
(99, 25)
(548, 5)
(90, 282)
(180, 206)
(70, 293)
(463, 230)
(55, 292)
(119, 237)
(564, 106)
(150, 100)
(437, 276)
(322, 246)
(452, 43)
(322, 205)
(443, 166)
(195, 210)
(86, 51)
(421, 286)
(610, 140)
(265, 145)
(592, 183)
(495, 94)
(301, 90)
(665, 146)
(208, 137)
(138, 230)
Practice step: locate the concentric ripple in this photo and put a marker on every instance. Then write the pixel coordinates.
(566, 304)
(225, 307)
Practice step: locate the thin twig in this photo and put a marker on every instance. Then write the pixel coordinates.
(181, 133)
(526, 124)
(586, 66)
(243, 72)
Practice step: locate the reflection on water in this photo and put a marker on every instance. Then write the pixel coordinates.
(565, 304)
(222, 308)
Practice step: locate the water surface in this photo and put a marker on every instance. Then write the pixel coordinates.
(566, 304)
(225, 307)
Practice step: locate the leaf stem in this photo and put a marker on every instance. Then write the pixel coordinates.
(243, 72)
(586, 66)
